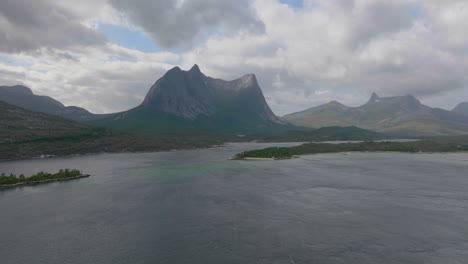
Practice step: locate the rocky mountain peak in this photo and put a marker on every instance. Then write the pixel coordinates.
(189, 94)
(249, 80)
(374, 98)
(412, 101)
(195, 69)
(182, 93)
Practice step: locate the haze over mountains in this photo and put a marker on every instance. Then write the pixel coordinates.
(189, 101)
(22, 96)
(398, 115)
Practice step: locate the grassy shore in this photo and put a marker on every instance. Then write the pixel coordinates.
(452, 144)
(41, 177)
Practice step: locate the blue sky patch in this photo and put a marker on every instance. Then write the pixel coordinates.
(293, 3)
(129, 38)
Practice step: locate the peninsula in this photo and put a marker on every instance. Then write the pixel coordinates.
(41, 177)
(452, 144)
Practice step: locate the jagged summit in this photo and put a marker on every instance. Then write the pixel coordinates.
(190, 94)
(374, 98)
(249, 80)
(195, 68)
(183, 101)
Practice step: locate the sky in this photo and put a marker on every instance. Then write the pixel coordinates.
(104, 55)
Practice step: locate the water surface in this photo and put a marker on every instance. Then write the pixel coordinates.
(198, 207)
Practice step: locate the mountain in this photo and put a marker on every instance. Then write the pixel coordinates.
(20, 124)
(23, 97)
(398, 115)
(189, 101)
(461, 108)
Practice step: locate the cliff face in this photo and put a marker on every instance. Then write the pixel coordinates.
(182, 93)
(190, 94)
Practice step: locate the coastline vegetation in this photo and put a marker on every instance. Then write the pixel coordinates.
(12, 179)
(423, 146)
(101, 140)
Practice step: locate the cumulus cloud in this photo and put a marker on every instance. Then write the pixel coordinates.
(33, 24)
(101, 79)
(344, 50)
(328, 50)
(179, 23)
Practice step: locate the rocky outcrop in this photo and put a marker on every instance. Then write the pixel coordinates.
(182, 93)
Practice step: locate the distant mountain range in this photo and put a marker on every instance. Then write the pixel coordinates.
(22, 96)
(189, 101)
(399, 115)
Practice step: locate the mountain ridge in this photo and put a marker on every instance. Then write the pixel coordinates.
(22, 96)
(399, 115)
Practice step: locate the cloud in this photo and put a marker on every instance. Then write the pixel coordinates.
(328, 50)
(95, 79)
(346, 50)
(180, 23)
(33, 24)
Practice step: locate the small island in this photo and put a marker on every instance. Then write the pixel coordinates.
(421, 146)
(41, 177)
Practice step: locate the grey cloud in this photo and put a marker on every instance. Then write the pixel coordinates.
(180, 23)
(30, 25)
(378, 19)
(105, 91)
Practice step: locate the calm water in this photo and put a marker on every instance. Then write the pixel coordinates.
(198, 207)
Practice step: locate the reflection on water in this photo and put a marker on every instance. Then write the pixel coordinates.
(198, 207)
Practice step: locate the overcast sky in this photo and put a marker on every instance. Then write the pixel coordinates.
(105, 54)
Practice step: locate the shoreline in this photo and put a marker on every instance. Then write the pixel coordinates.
(49, 156)
(105, 152)
(5, 186)
(347, 153)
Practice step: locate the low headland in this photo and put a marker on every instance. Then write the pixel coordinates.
(452, 144)
(41, 177)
